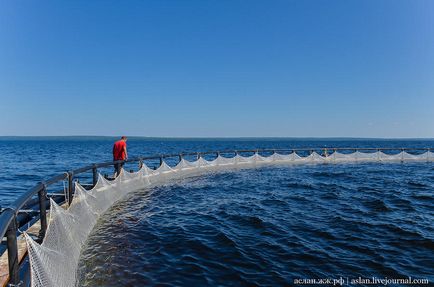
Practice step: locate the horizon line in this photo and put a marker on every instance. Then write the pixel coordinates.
(217, 137)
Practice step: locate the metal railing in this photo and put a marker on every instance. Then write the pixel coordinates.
(26, 209)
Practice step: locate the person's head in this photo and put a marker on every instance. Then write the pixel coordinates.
(124, 138)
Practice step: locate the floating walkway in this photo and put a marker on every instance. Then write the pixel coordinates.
(53, 254)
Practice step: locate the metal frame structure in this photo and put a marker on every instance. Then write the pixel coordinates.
(28, 210)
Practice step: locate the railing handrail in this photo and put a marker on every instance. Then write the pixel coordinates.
(9, 213)
(6, 217)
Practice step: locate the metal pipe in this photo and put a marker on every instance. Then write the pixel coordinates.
(94, 175)
(70, 187)
(56, 179)
(25, 197)
(42, 211)
(106, 164)
(12, 245)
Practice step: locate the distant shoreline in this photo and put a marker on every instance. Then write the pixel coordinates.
(81, 137)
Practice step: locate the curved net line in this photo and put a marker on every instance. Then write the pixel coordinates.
(54, 262)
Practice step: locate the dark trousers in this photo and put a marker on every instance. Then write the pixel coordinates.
(118, 167)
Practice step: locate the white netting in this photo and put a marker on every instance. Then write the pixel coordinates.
(54, 262)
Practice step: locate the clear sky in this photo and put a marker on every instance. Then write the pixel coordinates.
(217, 68)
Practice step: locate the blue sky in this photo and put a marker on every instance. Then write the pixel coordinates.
(217, 68)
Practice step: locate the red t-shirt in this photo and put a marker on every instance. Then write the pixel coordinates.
(119, 150)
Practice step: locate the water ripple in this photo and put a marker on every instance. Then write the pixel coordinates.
(267, 226)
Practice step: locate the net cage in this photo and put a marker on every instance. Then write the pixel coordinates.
(54, 262)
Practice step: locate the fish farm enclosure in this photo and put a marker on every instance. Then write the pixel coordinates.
(278, 211)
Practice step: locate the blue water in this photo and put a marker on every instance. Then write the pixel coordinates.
(269, 226)
(257, 227)
(25, 161)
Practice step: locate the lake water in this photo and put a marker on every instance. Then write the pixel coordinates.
(259, 227)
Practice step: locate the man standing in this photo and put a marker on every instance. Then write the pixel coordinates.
(120, 153)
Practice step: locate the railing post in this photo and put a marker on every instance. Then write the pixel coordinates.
(11, 235)
(94, 175)
(42, 211)
(70, 187)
